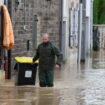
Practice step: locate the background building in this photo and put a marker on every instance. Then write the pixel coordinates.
(85, 28)
(69, 32)
(60, 18)
(30, 20)
(33, 18)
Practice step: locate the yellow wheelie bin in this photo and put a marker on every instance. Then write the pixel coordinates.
(26, 71)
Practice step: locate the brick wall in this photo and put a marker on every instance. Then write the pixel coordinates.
(22, 17)
(48, 13)
(48, 22)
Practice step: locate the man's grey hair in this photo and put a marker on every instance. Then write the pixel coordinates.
(46, 34)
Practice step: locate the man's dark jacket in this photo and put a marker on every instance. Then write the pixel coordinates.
(46, 53)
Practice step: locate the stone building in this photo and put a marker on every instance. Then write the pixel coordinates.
(27, 30)
(32, 18)
(50, 15)
(85, 29)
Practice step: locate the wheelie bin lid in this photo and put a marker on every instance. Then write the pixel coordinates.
(25, 60)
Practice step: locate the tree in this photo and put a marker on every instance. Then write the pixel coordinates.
(99, 12)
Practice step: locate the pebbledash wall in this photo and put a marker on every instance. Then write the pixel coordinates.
(48, 13)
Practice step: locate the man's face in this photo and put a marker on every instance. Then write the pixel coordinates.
(45, 38)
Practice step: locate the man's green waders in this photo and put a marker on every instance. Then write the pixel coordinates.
(46, 53)
(46, 78)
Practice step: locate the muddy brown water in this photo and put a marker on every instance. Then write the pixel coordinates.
(74, 85)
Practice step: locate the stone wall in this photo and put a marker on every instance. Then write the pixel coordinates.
(100, 36)
(48, 14)
(48, 22)
(22, 20)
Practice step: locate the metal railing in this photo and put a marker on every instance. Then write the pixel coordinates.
(101, 31)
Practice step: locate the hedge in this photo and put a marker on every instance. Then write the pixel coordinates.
(99, 12)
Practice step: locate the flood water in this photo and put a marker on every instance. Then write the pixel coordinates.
(74, 85)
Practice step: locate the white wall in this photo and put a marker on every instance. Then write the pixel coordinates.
(88, 8)
(64, 29)
(73, 27)
(1, 2)
(67, 4)
(89, 23)
(65, 9)
(87, 31)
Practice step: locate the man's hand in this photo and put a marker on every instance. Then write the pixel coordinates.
(57, 67)
(33, 63)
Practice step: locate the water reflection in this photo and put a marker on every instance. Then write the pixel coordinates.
(73, 86)
(28, 96)
(98, 61)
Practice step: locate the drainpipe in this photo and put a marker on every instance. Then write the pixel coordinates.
(1, 3)
(9, 52)
(61, 23)
(6, 55)
(91, 47)
(63, 32)
(80, 31)
(35, 21)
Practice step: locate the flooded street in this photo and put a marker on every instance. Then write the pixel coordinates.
(74, 85)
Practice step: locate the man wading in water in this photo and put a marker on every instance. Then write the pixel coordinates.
(46, 53)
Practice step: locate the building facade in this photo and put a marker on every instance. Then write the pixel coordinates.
(59, 18)
(68, 12)
(23, 18)
(32, 18)
(85, 28)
